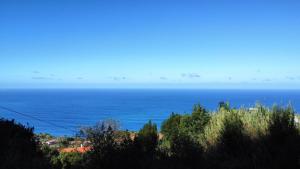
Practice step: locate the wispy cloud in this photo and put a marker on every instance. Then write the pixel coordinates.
(267, 80)
(36, 72)
(40, 78)
(190, 75)
(79, 78)
(290, 78)
(163, 78)
(118, 78)
(45, 78)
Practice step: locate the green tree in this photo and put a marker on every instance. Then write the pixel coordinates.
(194, 124)
(146, 144)
(104, 147)
(170, 127)
(224, 106)
(147, 138)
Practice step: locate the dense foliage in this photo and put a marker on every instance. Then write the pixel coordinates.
(19, 149)
(257, 138)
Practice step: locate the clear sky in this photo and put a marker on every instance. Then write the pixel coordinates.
(150, 44)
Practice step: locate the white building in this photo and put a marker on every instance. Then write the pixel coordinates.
(51, 142)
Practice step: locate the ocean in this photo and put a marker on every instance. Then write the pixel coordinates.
(75, 108)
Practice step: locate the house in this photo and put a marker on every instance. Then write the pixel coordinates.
(253, 109)
(296, 119)
(51, 142)
(80, 149)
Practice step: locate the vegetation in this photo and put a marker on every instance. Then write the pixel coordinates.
(256, 138)
(19, 149)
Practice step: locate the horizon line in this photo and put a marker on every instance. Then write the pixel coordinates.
(137, 88)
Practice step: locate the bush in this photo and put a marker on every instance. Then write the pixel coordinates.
(234, 148)
(71, 160)
(146, 144)
(19, 148)
(283, 139)
(185, 152)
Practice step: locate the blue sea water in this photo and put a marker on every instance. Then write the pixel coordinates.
(131, 107)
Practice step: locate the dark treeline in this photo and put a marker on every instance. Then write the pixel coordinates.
(227, 139)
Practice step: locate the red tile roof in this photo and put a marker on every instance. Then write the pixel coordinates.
(77, 149)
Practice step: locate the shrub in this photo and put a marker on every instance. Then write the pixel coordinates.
(283, 139)
(185, 152)
(71, 160)
(19, 148)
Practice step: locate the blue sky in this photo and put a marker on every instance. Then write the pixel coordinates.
(150, 44)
